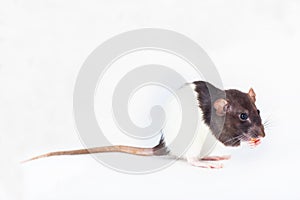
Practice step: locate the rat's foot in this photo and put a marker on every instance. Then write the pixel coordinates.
(200, 163)
(216, 158)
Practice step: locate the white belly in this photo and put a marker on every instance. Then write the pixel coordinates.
(201, 138)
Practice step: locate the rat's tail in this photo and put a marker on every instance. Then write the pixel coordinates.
(159, 149)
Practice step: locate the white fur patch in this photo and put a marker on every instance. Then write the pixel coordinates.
(173, 123)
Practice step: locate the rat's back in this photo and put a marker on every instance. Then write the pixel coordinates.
(193, 130)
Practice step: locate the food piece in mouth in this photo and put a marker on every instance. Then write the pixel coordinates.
(254, 142)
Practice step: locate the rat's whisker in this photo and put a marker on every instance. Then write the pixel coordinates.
(237, 138)
(234, 138)
(268, 124)
(268, 121)
(246, 137)
(268, 117)
(236, 142)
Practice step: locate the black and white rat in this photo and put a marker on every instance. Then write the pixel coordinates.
(230, 116)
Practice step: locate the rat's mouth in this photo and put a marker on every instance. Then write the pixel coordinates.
(252, 141)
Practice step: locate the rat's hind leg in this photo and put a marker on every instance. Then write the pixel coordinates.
(201, 163)
(216, 158)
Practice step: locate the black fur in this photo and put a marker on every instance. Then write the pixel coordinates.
(229, 129)
(161, 148)
(207, 94)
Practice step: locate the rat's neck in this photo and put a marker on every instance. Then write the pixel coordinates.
(206, 94)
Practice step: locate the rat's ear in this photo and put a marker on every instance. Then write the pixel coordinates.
(221, 106)
(252, 95)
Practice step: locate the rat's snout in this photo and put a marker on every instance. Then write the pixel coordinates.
(257, 131)
(261, 131)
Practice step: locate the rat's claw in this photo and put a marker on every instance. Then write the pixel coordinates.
(216, 165)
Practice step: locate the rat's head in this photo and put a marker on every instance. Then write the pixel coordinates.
(231, 114)
(242, 118)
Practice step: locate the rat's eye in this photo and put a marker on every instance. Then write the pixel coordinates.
(258, 111)
(243, 116)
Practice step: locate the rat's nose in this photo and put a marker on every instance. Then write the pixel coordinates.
(262, 132)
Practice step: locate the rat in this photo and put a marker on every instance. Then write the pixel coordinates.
(230, 116)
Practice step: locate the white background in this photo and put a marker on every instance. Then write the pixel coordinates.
(44, 43)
